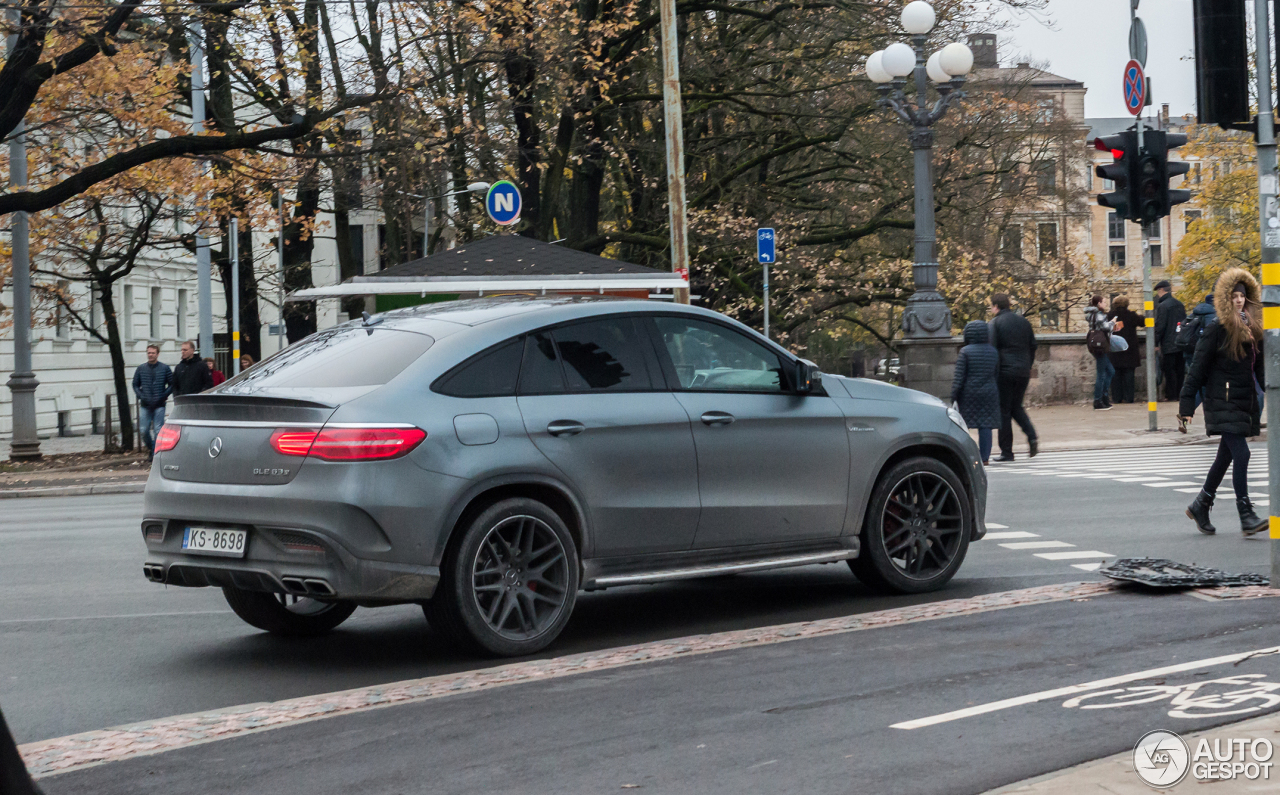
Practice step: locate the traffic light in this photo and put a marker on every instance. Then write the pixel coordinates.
(1175, 169)
(1222, 61)
(1155, 171)
(1124, 149)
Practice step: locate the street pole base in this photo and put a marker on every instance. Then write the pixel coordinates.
(25, 451)
(926, 316)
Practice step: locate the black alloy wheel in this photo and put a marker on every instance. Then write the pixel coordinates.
(917, 530)
(285, 614)
(509, 584)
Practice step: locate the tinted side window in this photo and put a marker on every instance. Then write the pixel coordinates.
(603, 355)
(490, 374)
(540, 373)
(710, 357)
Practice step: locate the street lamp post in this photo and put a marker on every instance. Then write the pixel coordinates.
(428, 207)
(926, 313)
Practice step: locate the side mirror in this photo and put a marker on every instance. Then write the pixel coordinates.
(807, 377)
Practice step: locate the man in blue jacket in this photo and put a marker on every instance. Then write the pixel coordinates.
(152, 385)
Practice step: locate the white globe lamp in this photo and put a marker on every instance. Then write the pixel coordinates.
(898, 59)
(875, 69)
(918, 17)
(956, 59)
(934, 68)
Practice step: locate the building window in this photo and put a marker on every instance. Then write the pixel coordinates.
(1088, 176)
(95, 308)
(126, 313)
(1195, 173)
(1117, 256)
(182, 314)
(62, 317)
(1044, 110)
(1115, 226)
(357, 248)
(1151, 231)
(1047, 235)
(1009, 181)
(1049, 317)
(154, 327)
(1189, 217)
(1156, 261)
(1011, 243)
(1046, 178)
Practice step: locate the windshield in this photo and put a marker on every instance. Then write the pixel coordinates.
(337, 358)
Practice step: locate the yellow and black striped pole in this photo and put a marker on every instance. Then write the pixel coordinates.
(1269, 223)
(1148, 312)
(235, 298)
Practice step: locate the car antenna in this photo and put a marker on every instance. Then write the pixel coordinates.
(369, 320)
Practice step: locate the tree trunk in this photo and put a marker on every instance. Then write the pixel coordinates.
(116, 349)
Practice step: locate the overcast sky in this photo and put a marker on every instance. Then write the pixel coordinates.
(1088, 40)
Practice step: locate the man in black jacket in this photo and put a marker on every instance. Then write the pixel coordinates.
(1015, 341)
(1169, 313)
(192, 375)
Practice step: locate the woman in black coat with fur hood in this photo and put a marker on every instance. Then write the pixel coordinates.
(1228, 364)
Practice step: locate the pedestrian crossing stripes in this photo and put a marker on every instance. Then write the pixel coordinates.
(1179, 469)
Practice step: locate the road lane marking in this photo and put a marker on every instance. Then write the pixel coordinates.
(1136, 480)
(1073, 555)
(1046, 695)
(1037, 545)
(994, 526)
(1169, 484)
(1010, 534)
(63, 754)
(1086, 566)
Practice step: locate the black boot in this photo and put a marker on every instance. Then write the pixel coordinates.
(1198, 511)
(1250, 523)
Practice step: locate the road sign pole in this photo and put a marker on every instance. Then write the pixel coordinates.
(235, 296)
(1269, 220)
(766, 299)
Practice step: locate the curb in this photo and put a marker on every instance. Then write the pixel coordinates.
(128, 487)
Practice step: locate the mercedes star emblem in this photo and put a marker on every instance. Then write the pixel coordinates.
(215, 447)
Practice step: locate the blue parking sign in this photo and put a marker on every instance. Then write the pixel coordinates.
(503, 203)
(765, 248)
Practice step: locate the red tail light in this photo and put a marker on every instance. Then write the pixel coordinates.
(294, 441)
(168, 437)
(347, 444)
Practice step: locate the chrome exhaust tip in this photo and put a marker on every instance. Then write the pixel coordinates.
(293, 585)
(319, 588)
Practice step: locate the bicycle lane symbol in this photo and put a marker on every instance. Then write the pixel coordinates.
(1241, 694)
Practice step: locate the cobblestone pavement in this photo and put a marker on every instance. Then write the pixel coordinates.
(149, 737)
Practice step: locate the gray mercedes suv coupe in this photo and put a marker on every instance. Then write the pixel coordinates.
(488, 459)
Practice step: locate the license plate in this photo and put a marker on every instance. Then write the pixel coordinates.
(215, 541)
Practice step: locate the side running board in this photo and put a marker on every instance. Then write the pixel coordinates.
(712, 570)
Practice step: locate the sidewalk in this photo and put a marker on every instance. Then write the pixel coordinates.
(1079, 427)
(1114, 775)
(72, 466)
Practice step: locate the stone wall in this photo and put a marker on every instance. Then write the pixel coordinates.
(1063, 371)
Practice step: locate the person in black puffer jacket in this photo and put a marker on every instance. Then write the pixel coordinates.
(973, 389)
(1228, 364)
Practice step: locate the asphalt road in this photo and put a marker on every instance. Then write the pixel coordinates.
(88, 643)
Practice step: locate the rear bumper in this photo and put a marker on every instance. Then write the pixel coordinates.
(330, 533)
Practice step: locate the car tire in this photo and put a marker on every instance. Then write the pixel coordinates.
(508, 582)
(917, 528)
(280, 614)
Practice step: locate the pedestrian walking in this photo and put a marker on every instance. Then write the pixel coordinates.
(152, 385)
(1169, 313)
(1099, 341)
(1127, 361)
(1190, 331)
(192, 375)
(1015, 342)
(973, 388)
(214, 372)
(1228, 365)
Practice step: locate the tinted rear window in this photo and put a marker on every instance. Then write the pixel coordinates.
(540, 374)
(336, 358)
(491, 374)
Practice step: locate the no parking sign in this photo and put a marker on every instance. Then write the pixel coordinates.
(503, 203)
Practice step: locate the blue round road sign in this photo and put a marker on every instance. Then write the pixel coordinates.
(1135, 88)
(503, 203)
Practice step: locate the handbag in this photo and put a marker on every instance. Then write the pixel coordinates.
(1118, 343)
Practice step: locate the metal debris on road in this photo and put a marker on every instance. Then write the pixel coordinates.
(1161, 573)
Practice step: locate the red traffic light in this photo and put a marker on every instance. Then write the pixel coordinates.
(1102, 147)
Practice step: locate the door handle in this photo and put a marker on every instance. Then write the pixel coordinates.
(717, 418)
(565, 428)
